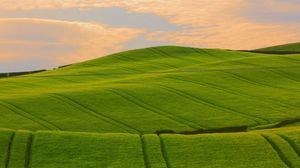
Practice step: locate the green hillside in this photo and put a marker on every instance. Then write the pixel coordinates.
(44, 149)
(119, 102)
(286, 48)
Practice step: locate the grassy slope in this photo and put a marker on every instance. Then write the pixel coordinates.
(165, 88)
(273, 148)
(293, 47)
(143, 91)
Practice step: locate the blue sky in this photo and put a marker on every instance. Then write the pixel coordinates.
(38, 34)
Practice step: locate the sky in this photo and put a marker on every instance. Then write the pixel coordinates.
(39, 34)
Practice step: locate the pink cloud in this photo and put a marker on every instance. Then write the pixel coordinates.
(279, 5)
(56, 4)
(209, 23)
(217, 24)
(59, 42)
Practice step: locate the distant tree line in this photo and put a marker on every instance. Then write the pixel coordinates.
(271, 52)
(12, 74)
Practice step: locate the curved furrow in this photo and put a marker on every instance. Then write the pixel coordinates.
(215, 106)
(234, 92)
(91, 112)
(132, 69)
(286, 75)
(181, 58)
(209, 85)
(155, 110)
(159, 52)
(125, 59)
(28, 154)
(276, 148)
(9, 148)
(164, 151)
(275, 71)
(242, 78)
(64, 79)
(161, 64)
(144, 150)
(187, 58)
(122, 59)
(290, 59)
(291, 143)
(198, 51)
(210, 54)
(44, 123)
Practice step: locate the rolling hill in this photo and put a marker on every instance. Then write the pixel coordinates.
(44, 149)
(286, 48)
(139, 108)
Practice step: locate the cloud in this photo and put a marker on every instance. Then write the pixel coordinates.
(114, 16)
(59, 4)
(49, 43)
(205, 23)
(273, 11)
(276, 5)
(219, 24)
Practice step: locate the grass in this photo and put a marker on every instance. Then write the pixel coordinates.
(5, 146)
(161, 88)
(19, 149)
(233, 149)
(119, 103)
(88, 150)
(70, 149)
(152, 151)
(67, 149)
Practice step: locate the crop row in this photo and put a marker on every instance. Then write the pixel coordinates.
(272, 148)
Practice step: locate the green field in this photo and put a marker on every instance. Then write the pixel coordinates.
(293, 47)
(44, 149)
(106, 112)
